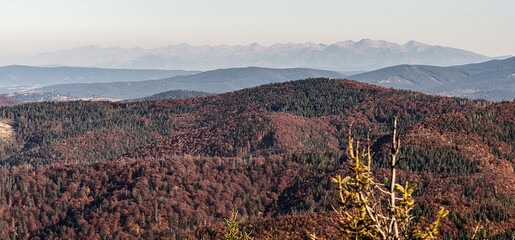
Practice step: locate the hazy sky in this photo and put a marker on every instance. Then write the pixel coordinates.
(33, 26)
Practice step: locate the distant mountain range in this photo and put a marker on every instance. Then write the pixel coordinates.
(494, 80)
(15, 78)
(216, 81)
(364, 55)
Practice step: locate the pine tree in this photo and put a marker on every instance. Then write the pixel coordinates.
(369, 210)
(232, 230)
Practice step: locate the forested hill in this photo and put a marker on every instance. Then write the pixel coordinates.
(45, 130)
(214, 81)
(6, 101)
(175, 168)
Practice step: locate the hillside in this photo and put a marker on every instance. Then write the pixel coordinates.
(363, 55)
(175, 168)
(493, 80)
(17, 78)
(6, 101)
(216, 81)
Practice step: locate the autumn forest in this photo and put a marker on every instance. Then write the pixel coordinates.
(176, 168)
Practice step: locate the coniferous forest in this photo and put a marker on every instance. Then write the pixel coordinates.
(176, 168)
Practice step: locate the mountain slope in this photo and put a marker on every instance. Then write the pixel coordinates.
(362, 55)
(6, 101)
(494, 80)
(216, 81)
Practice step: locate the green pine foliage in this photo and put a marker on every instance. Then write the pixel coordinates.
(429, 159)
(369, 210)
(232, 228)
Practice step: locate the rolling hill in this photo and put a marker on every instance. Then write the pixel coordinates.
(175, 168)
(494, 80)
(216, 81)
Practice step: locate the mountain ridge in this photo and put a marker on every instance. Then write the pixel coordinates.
(492, 79)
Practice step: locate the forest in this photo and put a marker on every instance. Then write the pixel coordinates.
(176, 168)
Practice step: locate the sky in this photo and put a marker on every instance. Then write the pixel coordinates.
(28, 27)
